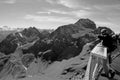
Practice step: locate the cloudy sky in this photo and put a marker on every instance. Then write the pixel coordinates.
(53, 13)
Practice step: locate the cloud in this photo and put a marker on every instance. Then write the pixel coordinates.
(49, 18)
(74, 4)
(57, 11)
(107, 7)
(43, 12)
(87, 4)
(69, 3)
(51, 1)
(102, 2)
(9, 1)
(73, 13)
(81, 13)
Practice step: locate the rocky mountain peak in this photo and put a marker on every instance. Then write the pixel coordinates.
(86, 23)
(31, 31)
(82, 26)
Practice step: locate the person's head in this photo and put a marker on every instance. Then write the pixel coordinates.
(104, 32)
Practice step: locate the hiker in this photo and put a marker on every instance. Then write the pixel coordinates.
(108, 41)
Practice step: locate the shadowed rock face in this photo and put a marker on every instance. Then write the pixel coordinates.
(8, 46)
